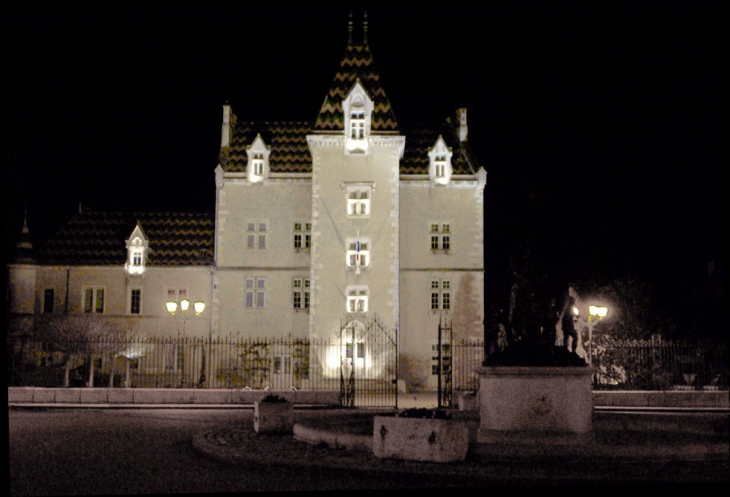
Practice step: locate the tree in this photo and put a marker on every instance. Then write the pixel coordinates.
(86, 336)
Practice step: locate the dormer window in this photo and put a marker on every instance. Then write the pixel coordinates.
(358, 108)
(440, 162)
(137, 247)
(258, 160)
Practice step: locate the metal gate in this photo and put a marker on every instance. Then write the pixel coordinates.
(368, 363)
(444, 363)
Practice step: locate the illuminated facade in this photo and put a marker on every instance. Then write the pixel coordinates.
(315, 224)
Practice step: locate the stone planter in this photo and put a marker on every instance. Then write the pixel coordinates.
(414, 439)
(273, 417)
(535, 405)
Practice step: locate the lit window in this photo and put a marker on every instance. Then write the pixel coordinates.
(94, 300)
(48, 299)
(357, 124)
(258, 164)
(358, 201)
(357, 299)
(135, 301)
(300, 293)
(358, 253)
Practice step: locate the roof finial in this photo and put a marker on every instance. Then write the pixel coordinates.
(365, 30)
(25, 217)
(349, 31)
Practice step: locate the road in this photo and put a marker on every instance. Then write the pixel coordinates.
(140, 451)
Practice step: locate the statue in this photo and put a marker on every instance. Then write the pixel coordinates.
(568, 324)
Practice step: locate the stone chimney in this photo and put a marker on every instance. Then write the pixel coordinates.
(463, 128)
(226, 128)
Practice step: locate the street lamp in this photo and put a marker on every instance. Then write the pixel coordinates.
(184, 305)
(595, 314)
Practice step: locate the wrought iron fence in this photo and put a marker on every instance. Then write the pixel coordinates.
(657, 364)
(176, 362)
(467, 356)
(626, 364)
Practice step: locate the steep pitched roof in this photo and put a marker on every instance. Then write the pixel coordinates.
(421, 137)
(357, 64)
(99, 239)
(288, 142)
(290, 152)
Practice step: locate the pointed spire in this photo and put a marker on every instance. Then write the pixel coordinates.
(349, 31)
(24, 247)
(365, 29)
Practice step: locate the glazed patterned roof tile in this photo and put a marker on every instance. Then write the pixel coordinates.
(290, 151)
(288, 142)
(357, 64)
(99, 239)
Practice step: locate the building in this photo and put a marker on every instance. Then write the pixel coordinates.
(318, 226)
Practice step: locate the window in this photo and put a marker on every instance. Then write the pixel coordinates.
(358, 201)
(357, 124)
(440, 295)
(256, 233)
(302, 236)
(176, 294)
(440, 236)
(358, 253)
(301, 293)
(258, 164)
(94, 300)
(357, 299)
(135, 300)
(255, 292)
(440, 165)
(48, 299)
(351, 348)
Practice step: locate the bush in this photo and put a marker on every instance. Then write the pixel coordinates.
(45, 377)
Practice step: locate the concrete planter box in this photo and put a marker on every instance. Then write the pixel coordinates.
(535, 404)
(414, 439)
(273, 417)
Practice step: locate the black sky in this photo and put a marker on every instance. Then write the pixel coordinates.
(598, 125)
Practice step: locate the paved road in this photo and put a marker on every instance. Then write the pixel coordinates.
(124, 451)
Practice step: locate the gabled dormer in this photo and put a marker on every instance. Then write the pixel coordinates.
(439, 160)
(258, 160)
(137, 250)
(358, 109)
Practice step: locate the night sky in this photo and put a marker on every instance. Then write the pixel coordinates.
(598, 125)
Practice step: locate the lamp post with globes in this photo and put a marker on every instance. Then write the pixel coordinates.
(595, 314)
(184, 306)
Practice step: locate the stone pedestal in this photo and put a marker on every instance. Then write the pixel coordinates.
(414, 439)
(273, 417)
(535, 404)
